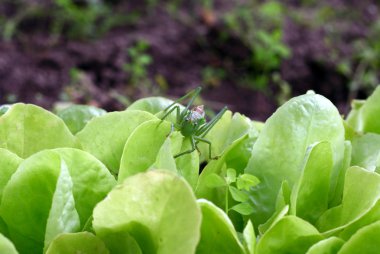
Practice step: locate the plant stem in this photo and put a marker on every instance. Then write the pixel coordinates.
(226, 201)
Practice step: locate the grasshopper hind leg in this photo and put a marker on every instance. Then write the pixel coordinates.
(193, 147)
(208, 142)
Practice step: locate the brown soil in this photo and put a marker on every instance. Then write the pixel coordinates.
(34, 67)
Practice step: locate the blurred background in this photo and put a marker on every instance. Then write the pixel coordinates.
(250, 55)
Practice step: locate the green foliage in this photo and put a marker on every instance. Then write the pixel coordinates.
(312, 188)
(6, 246)
(152, 105)
(364, 241)
(82, 242)
(74, 19)
(305, 181)
(355, 211)
(9, 25)
(62, 181)
(328, 246)
(362, 117)
(26, 129)
(365, 151)
(228, 129)
(236, 187)
(212, 76)
(114, 129)
(361, 68)
(217, 232)
(152, 140)
(158, 209)
(259, 25)
(138, 63)
(289, 235)
(279, 151)
(9, 165)
(82, 19)
(77, 116)
(249, 238)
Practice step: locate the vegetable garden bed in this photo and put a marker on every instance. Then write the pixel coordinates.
(87, 181)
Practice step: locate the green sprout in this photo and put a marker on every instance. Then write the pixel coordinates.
(240, 194)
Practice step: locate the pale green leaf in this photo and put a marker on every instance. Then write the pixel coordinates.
(279, 151)
(249, 237)
(238, 195)
(366, 240)
(63, 216)
(8, 165)
(214, 181)
(27, 129)
(243, 208)
(365, 151)
(43, 179)
(231, 175)
(157, 208)
(276, 216)
(77, 116)
(309, 198)
(77, 243)
(327, 246)
(360, 204)
(143, 147)
(217, 232)
(105, 136)
(246, 181)
(6, 246)
(289, 235)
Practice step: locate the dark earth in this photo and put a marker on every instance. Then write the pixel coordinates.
(35, 66)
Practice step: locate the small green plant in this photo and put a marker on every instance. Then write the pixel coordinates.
(259, 25)
(212, 76)
(69, 18)
(82, 19)
(284, 89)
(138, 63)
(86, 20)
(360, 64)
(236, 187)
(9, 25)
(362, 67)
